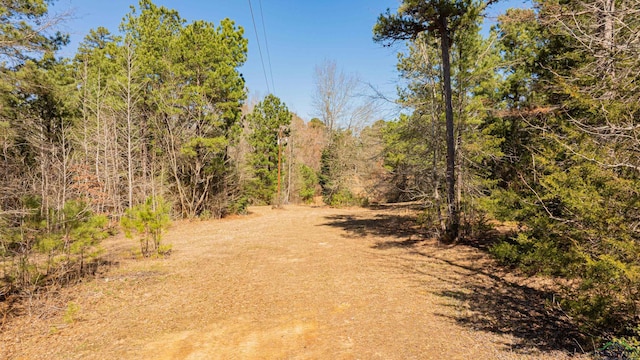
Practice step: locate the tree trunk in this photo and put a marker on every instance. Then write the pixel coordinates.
(129, 116)
(453, 221)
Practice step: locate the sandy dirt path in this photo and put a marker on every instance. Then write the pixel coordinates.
(298, 283)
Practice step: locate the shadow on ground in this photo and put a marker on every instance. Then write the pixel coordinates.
(15, 301)
(493, 304)
(529, 314)
(400, 227)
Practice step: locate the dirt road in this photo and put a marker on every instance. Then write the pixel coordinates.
(298, 283)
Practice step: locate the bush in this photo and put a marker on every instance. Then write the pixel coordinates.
(309, 183)
(506, 253)
(605, 293)
(148, 221)
(239, 206)
(343, 197)
(52, 248)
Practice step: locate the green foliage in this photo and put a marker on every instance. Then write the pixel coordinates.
(543, 119)
(337, 164)
(534, 255)
(82, 229)
(334, 173)
(193, 93)
(415, 147)
(240, 205)
(165, 249)
(452, 26)
(148, 221)
(309, 183)
(577, 222)
(564, 176)
(507, 253)
(71, 313)
(269, 128)
(577, 218)
(153, 108)
(316, 123)
(22, 28)
(343, 197)
(55, 247)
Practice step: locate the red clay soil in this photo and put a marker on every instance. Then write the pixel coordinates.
(296, 283)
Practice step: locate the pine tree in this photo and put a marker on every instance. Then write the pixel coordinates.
(567, 175)
(440, 20)
(191, 103)
(421, 146)
(269, 124)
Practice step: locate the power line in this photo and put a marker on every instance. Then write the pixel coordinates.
(266, 45)
(255, 28)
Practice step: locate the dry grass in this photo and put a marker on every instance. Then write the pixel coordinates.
(299, 283)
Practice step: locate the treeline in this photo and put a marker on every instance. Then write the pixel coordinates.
(546, 114)
(142, 124)
(145, 114)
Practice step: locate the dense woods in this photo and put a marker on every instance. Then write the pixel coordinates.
(535, 125)
(545, 115)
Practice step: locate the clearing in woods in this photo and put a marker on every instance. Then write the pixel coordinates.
(297, 283)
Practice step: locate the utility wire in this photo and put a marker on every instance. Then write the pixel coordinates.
(266, 45)
(255, 28)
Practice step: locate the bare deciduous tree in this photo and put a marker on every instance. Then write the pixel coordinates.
(334, 95)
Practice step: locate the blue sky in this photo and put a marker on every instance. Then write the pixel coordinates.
(300, 34)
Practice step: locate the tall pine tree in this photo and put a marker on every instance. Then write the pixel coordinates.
(268, 128)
